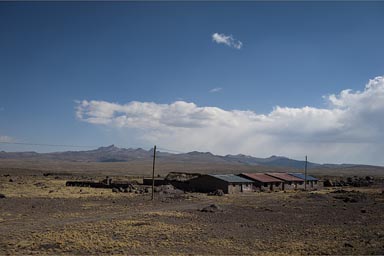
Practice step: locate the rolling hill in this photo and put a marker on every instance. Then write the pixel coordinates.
(115, 154)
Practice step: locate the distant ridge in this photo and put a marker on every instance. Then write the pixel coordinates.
(115, 154)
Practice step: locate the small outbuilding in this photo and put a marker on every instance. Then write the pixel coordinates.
(262, 182)
(229, 183)
(312, 182)
(289, 181)
(180, 180)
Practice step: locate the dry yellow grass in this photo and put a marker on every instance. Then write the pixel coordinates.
(170, 214)
(107, 236)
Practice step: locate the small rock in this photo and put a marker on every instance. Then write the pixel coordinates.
(348, 245)
(340, 191)
(211, 208)
(115, 190)
(270, 210)
(40, 185)
(218, 192)
(328, 183)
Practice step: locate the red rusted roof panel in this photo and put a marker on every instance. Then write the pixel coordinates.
(284, 176)
(261, 177)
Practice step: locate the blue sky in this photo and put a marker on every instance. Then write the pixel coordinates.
(54, 55)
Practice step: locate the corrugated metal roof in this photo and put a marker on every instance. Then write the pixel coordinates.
(302, 176)
(261, 177)
(231, 178)
(284, 176)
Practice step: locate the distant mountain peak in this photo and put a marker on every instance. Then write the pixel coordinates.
(200, 153)
(112, 153)
(242, 155)
(277, 157)
(108, 148)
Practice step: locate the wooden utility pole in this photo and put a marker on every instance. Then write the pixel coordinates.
(153, 172)
(305, 175)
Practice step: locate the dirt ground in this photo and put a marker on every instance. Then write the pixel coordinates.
(40, 215)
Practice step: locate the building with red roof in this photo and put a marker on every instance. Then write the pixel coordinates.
(289, 181)
(262, 182)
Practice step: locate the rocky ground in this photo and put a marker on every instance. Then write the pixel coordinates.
(40, 215)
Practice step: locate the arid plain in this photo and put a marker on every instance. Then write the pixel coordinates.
(40, 215)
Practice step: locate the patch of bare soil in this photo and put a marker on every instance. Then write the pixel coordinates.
(40, 215)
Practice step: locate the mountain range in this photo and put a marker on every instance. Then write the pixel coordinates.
(115, 154)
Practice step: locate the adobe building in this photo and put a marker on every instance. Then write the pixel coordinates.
(263, 182)
(289, 182)
(229, 183)
(312, 182)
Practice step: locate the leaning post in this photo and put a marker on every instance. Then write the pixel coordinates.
(305, 175)
(153, 172)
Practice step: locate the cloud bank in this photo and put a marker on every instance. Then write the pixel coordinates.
(349, 129)
(227, 40)
(4, 138)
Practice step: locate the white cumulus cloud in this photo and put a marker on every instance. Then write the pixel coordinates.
(227, 40)
(349, 129)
